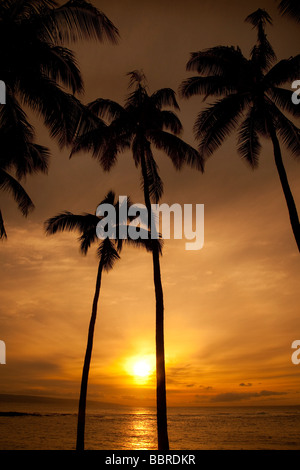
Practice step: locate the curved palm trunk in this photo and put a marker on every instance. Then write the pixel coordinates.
(86, 366)
(285, 186)
(161, 399)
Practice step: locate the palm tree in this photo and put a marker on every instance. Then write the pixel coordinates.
(290, 8)
(38, 72)
(140, 125)
(108, 252)
(252, 98)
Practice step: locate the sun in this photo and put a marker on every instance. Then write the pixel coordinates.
(142, 368)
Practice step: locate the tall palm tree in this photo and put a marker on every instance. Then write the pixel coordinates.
(108, 252)
(41, 73)
(290, 8)
(253, 99)
(140, 125)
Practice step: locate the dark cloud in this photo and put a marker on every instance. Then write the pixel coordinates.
(245, 385)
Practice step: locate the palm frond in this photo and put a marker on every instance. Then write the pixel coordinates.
(248, 141)
(208, 86)
(179, 151)
(285, 71)
(14, 125)
(59, 64)
(107, 254)
(164, 97)
(18, 150)
(24, 9)
(287, 131)
(35, 160)
(2, 228)
(88, 131)
(154, 182)
(77, 20)
(219, 60)
(10, 184)
(215, 123)
(91, 140)
(86, 239)
(67, 221)
(137, 150)
(170, 122)
(283, 98)
(61, 111)
(108, 154)
(290, 8)
(85, 224)
(106, 109)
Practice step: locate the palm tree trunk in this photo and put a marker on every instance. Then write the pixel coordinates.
(161, 399)
(294, 219)
(86, 366)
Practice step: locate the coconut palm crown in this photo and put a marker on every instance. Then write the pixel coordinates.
(254, 97)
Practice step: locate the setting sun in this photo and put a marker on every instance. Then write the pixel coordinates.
(142, 368)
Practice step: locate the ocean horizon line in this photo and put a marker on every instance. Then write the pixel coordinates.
(48, 399)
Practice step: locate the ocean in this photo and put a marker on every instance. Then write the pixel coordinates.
(52, 426)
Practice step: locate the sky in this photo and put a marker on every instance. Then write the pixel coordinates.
(231, 308)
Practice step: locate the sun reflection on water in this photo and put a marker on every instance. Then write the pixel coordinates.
(142, 430)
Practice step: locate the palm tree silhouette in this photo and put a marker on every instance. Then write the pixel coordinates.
(252, 95)
(38, 72)
(138, 125)
(290, 8)
(108, 252)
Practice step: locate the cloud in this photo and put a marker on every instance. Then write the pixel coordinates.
(245, 385)
(239, 396)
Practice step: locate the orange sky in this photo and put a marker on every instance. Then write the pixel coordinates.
(232, 308)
